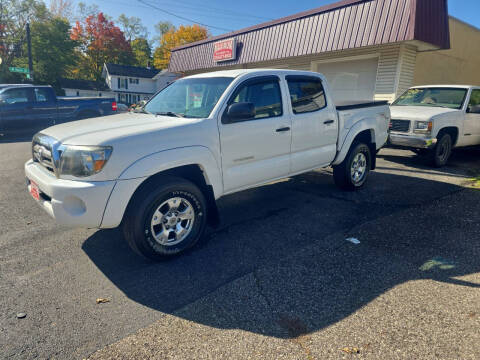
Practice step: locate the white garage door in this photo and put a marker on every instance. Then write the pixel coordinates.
(351, 80)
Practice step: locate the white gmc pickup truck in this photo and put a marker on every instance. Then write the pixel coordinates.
(158, 173)
(435, 119)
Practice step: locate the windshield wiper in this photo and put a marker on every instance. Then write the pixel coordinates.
(169, 113)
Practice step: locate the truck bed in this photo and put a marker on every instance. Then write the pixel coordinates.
(349, 105)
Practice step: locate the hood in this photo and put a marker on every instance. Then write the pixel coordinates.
(103, 130)
(418, 112)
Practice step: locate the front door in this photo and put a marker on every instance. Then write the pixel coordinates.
(472, 119)
(44, 111)
(15, 105)
(256, 150)
(314, 124)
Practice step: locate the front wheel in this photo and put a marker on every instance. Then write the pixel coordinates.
(442, 151)
(352, 173)
(165, 219)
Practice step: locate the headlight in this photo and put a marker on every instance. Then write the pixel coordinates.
(423, 126)
(82, 161)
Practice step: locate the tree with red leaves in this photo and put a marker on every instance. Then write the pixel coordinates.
(100, 42)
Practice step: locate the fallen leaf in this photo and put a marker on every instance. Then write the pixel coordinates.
(102, 301)
(351, 350)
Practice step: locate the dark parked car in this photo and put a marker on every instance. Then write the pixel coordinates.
(27, 109)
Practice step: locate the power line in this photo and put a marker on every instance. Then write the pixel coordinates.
(181, 17)
(209, 9)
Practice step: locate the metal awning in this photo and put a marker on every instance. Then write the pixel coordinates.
(343, 25)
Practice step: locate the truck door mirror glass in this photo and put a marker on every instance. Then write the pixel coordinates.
(239, 112)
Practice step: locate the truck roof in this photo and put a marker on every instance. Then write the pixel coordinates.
(237, 72)
(4, 86)
(445, 86)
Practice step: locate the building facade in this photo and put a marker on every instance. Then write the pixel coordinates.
(367, 49)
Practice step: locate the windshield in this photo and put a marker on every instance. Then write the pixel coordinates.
(190, 98)
(452, 98)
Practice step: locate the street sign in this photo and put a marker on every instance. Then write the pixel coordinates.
(19, 70)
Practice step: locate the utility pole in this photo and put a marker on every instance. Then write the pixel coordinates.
(29, 47)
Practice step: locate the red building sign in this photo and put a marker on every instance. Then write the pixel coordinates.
(225, 50)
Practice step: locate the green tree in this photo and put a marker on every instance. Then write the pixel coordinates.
(161, 29)
(141, 51)
(14, 16)
(53, 51)
(132, 27)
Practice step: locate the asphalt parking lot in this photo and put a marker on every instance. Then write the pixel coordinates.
(278, 280)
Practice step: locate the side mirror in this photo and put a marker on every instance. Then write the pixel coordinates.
(238, 112)
(473, 109)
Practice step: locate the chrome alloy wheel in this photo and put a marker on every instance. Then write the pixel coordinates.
(358, 168)
(173, 221)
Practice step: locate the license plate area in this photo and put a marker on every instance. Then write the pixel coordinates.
(34, 190)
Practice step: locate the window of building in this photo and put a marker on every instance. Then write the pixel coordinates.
(264, 95)
(306, 94)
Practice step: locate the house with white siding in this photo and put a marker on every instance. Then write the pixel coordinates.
(127, 84)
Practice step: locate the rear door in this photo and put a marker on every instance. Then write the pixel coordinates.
(16, 105)
(314, 124)
(472, 119)
(256, 150)
(44, 111)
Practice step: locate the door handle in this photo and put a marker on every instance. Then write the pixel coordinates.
(287, 128)
(328, 122)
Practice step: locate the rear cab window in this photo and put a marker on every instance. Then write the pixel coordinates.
(306, 94)
(43, 95)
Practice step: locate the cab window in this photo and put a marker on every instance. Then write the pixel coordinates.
(265, 95)
(306, 94)
(42, 95)
(15, 96)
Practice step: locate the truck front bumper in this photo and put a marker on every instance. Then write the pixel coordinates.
(411, 141)
(70, 203)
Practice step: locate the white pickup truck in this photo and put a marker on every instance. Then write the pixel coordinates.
(435, 119)
(158, 173)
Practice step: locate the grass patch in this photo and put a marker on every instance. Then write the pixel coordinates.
(476, 182)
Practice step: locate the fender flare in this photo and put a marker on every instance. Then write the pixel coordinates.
(365, 124)
(173, 158)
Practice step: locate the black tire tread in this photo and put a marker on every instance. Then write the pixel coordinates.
(129, 224)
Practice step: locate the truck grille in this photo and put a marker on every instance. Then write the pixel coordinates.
(42, 149)
(400, 125)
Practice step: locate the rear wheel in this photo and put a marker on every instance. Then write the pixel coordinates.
(352, 173)
(165, 219)
(442, 151)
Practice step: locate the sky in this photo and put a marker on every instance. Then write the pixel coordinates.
(223, 16)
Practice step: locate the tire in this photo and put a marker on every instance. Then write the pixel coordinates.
(154, 226)
(442, 151)
(420, 152)
(353, 172)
